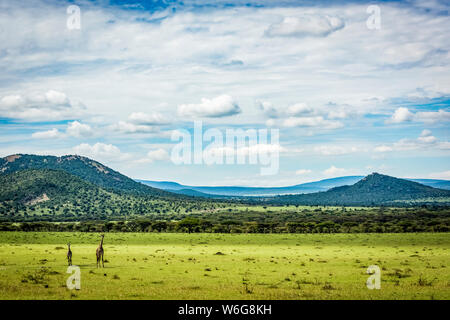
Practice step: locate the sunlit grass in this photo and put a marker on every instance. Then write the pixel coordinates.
(225, 266)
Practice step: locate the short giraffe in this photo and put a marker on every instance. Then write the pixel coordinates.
(100, 252)
(69, 255)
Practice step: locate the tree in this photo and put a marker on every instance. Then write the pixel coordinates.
(189, 223)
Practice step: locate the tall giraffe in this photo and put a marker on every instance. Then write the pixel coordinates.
(69, 255)
(100, 252)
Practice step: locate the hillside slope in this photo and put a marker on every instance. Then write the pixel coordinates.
(82, 167)
(29, 187)
(56, 195)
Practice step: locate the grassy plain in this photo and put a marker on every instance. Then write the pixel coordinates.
(226, 266)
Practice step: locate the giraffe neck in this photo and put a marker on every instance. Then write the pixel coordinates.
(101, 243)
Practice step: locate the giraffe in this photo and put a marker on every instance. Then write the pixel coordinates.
(100, 252)
(69, 255)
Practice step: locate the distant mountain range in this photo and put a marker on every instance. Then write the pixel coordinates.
(75, 187)
(310, 187)
(374, 190)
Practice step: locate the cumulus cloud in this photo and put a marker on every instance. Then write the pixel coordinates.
(74, 129)
(268, 109)
(101, 151)
(403, 115)
(432, 116)
(50, 105)
(425, 140)
(220, 106)
(334, 171)
(50, 134)
(158, 154)
(153, 155)
(426, 137)
(303, 115)
(305, 25)
(77, 129)
(299, 109)
(128, 127)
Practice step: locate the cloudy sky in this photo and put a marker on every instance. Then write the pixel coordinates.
(349, 96)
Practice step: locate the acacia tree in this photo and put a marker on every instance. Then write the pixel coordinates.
(189, 223)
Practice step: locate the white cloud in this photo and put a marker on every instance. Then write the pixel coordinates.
(330, 150)
(220, 106)
(426, 140)
(445, 145)
(152, 119)
(401, 115)
(153, 155)
(305, 25)
(101, 151)
(57, 98)
(127, 127)
(318, 122)
(158, 154)
(383, 148)
(299, 109)
(268, 109)
(50, 105)
(334, 172)
(432, 116)
(426, 137)
(74, 129)
(302, 171)
(50, 134)
(77, 129)
(256, 149)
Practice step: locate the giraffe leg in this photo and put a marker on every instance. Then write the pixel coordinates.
(103, 263)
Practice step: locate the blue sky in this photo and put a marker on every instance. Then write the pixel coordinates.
(347, 99)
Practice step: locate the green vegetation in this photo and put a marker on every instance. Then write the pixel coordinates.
(84, 168)
(220, 266)
(306, 220)
(45, 194)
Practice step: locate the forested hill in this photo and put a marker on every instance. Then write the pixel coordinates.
(82, 167)
(373, 190)
(29, 187)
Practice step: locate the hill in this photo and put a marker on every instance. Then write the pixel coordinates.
(309, 187)
(236, 191)
(29, 187)
(56, 195)
(373, 190)
(87, 169)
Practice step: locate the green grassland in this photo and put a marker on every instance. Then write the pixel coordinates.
(225, 266)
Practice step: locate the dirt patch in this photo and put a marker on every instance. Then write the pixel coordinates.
(12, 158)
(99, 167)
(41, 198)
